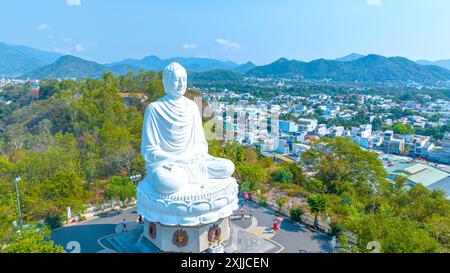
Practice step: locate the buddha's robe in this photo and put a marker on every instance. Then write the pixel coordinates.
(175, 149)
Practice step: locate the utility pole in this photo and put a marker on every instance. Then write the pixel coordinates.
(135, 178)
(16, 182)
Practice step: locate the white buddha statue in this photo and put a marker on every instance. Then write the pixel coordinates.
(173, 141)
(184, 185)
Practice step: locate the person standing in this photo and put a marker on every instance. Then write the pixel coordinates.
(251, 213)
(242, 213)
(124, 225)
(275, 226)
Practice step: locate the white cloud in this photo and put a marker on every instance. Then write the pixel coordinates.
(42, 27)
(190, 46)
(73, 2)
(228, 44)
(67, 40)
(69, 49)
(373, 2)
(79, 48)
(65, 51)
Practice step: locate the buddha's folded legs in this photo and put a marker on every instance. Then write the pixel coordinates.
(219, 168)
(169, 179)
(172, 177)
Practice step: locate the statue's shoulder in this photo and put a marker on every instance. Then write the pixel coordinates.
(151, 107)
(155, 103)
(191, 102)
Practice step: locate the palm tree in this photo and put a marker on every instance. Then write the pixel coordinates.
(317, 203)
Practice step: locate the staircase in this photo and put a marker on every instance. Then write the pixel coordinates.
(124, 242)
(132, 241)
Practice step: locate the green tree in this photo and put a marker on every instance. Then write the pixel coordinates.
(400, 182)
(343, 167)
(32, 240)
(403, 129)
(317, 203)
(251, 173)
(120, 188)
(395, 235)
(64, 189)
(283, 175)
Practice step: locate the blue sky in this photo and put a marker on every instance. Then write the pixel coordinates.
(239, 30)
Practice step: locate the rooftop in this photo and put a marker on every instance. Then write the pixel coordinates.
(420, 173)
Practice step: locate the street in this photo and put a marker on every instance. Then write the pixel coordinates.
(291, 237)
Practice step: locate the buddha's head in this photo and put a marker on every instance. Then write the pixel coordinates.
(174, 80)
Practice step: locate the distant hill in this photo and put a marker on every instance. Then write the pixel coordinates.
(16, 60)
(442, 63)
(371, 68)
(68, 67)
(350, 57)
(191, 64)
(244, 67)
(74, 67)
(216, 76)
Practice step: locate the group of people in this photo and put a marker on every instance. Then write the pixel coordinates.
(242, 213)
(140, 221)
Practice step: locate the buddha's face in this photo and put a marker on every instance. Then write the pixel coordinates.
(175, 81)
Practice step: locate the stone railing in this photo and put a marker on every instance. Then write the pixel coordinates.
(104, 208)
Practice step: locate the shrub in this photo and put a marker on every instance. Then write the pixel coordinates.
(336, 229)
(262, 201)
(53, 219)
(281, 201)
(296, 213)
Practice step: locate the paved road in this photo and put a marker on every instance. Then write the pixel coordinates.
(293, 237)
(88, 232)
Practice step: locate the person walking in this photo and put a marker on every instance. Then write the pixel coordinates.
(242, 213)
(124, 225)
(251, 213)
(275, 226)
(140, 220)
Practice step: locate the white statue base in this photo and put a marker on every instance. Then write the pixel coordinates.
(193, 239)
(192, 212)
(191, 206)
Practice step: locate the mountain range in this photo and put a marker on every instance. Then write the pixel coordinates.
(192, 64)
(26, 62)
(74, 67)
(371, 68)
(442, 63)
(350, 57)
(15, 60)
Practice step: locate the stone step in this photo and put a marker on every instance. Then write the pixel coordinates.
(125, 242)
(146, 247)
(117, 246)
